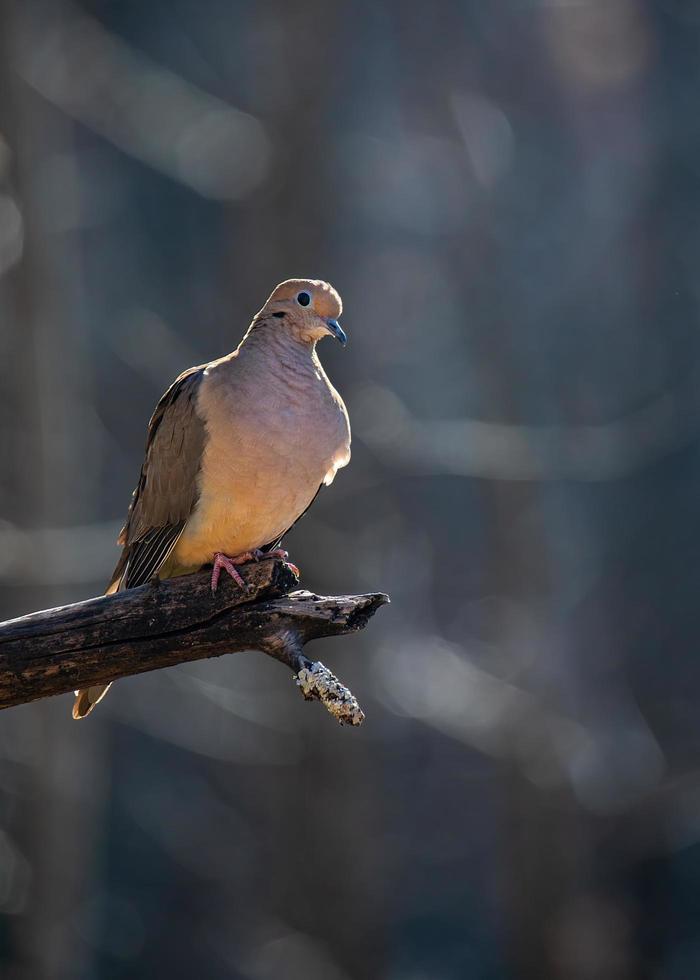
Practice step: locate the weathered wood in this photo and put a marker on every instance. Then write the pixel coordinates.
(166, 623)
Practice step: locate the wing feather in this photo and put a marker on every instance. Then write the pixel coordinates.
(167, 491)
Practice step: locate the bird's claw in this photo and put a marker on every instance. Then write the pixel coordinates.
(258, 555)
(229, 565)
(223, 561)
(284, 555)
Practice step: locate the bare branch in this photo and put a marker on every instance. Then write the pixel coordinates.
(170, 622)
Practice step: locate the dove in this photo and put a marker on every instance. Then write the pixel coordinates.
(237, 450)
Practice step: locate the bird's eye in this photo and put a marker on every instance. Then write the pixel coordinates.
(303, 299)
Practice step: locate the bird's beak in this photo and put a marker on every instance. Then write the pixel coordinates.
(337, 331)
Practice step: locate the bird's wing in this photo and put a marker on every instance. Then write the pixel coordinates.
(167, 491)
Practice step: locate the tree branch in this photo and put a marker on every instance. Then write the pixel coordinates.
(177, 620)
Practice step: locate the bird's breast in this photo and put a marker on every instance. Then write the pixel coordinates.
(268, 450)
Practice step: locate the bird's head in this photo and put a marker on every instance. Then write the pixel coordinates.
(308, 309)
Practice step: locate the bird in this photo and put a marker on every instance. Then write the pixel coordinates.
(237, 450)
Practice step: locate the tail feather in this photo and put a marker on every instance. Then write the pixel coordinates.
(86, 700)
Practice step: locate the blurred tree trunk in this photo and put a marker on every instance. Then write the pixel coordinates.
(52, 473)
(283, 233)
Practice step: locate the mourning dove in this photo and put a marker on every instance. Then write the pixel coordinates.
(237, 449)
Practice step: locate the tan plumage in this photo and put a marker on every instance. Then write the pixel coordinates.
(238, 448)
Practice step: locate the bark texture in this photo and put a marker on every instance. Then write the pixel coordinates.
(169, 622)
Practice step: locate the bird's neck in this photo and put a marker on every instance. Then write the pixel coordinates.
(277, 350)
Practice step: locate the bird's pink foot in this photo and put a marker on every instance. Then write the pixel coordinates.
(284, 555)
(229, 565)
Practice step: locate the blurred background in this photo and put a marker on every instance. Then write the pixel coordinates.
(506, 195)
